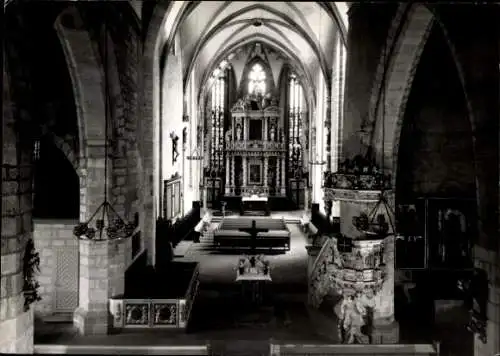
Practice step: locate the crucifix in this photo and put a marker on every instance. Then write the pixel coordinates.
(253, 231)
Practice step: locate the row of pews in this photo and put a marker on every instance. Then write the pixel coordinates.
(238, 233)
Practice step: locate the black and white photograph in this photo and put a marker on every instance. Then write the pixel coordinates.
(249, 178)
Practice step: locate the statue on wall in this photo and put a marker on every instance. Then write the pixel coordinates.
(272, 133)
(238, 132)
(356, 317)
(228, 136)
(184, 138)
(175, 153)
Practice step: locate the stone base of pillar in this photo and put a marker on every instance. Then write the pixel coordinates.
(92, 322)
(17, 334)
(385, 333)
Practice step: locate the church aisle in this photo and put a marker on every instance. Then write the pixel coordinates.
(288, 268)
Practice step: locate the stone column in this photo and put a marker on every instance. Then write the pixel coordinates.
(205, 199)
(283, 183)
(245, 164)
(278, 175)
(265, 138)
(16, 324)
(227, 183)
(266, 166)
(306, 198)
(245, 128)
(102, 276)
(233, 183)
(361, 72)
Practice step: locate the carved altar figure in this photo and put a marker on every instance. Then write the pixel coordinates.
(352, 319)
(272, 133)
(228, 136)
(238, 132)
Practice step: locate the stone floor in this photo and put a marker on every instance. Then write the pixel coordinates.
(220, 316)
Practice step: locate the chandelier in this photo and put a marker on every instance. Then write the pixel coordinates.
(105, 223)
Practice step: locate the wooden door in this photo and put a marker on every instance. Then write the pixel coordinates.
(66, 281)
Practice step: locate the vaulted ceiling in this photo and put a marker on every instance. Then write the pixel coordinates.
(304, 31)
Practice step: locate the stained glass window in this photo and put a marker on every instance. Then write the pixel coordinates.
(295, 124)
(217, 119)
(36, 150)
(257, 80)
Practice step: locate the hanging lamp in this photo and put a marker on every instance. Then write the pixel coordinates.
(105, 223)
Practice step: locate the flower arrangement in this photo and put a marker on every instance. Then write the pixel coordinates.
(258, 262)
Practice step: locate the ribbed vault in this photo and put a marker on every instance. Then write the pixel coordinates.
(304, 31)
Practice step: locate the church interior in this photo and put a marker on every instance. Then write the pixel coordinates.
(250, 178)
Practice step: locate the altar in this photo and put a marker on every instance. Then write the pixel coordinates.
(255, 203)
(253, 280)
(255, 151)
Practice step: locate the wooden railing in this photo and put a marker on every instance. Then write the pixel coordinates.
(180, 229)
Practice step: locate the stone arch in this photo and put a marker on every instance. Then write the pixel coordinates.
(66, 149)
(84, 69)
(408, 48)
(402, 67)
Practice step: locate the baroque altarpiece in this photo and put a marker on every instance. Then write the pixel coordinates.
(255, 145)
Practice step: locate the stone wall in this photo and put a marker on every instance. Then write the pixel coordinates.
(16, 326)
(436, 130)
(48, 235)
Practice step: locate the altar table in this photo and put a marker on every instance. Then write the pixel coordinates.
(252, 285)
(255, 202)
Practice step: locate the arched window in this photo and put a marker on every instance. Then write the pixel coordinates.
(216, 123)
(257, 80)
(295, 124)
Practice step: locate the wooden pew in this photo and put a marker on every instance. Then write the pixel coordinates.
(229, 235)
(122, 349)
(278, 349)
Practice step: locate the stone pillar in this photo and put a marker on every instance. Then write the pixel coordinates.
(233, 183)
(306, 198)
(245, 164)
(102, 276)
(16, 324)
(363, 59)
(283, 169)
(265, 136)
(278, 174)
(266, 165)
(205, 199)
(245, 130)
(227, 183)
